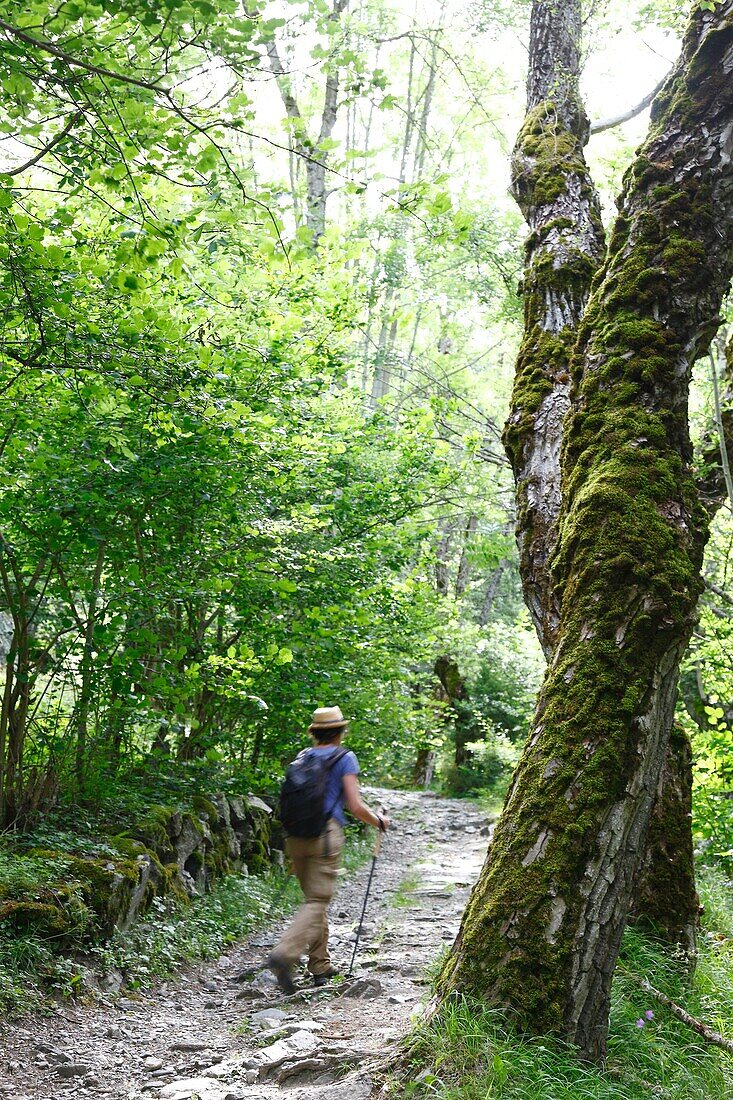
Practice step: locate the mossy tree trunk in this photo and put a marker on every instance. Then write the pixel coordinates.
(542, 930)
(665, 898)
(457, 698)
(554, 190)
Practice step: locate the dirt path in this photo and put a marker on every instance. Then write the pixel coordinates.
(207, 1035)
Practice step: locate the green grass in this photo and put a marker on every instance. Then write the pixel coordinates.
(469, 1052)
(404, 895)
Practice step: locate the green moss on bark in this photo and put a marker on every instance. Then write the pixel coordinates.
(547, 164)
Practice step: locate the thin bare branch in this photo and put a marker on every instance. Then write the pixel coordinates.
(48, 147)
(626, 116)
(77, 63)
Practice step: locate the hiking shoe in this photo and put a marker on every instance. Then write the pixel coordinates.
(325, 977)
(281, 970)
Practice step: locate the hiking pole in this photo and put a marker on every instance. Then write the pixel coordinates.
(377, 846)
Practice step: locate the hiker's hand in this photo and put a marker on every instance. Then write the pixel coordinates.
(383, 822)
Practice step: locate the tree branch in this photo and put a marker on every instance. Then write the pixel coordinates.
(703, 1030)
(721, 592)
(283, 82)
(721, 429)
(48, 147)
(712, 481)
(609, 123)
(48, 47)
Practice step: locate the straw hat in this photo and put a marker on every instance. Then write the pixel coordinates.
(327, 718)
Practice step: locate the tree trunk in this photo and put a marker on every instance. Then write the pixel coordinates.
(665, 898)
(463, 576)
(423, 768)
(554, 190)
(456, 695)
(87, 671)
(312, 153)
(542, 930)
(492, 588)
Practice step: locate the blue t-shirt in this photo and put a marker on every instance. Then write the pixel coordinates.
(347, 765)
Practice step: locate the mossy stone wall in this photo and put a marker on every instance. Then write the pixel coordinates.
(170, 853)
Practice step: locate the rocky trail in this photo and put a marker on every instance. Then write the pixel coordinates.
(222, 1031)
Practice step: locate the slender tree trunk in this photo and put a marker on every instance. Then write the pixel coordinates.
(442, 558)
(542, 930)
(456, 695)
(18, 682)
(491, 589)
(312, 153)
(17, 719)
(554, 190)
(382, 371)
(463, 576)
(4, 735)
(87, 671)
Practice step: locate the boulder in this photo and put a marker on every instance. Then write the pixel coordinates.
(302, 1044)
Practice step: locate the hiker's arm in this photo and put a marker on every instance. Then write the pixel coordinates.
(358, 808)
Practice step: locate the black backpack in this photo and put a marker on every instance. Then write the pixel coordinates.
(303, 810)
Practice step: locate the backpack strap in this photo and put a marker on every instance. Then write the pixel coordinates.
(331, 763)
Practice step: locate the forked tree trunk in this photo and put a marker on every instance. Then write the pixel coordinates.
(542, 930)
(554, 189)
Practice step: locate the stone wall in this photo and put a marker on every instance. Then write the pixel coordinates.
(170, 853)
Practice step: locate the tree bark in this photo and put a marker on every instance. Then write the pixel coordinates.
(554, 190)
(87, 671)
(665, 899)
(312, 153)
(492, 588)
(542, 930)
(463, 576)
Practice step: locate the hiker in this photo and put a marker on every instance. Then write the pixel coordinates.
(316, 857)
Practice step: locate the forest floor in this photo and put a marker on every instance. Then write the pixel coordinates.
(222, 1030)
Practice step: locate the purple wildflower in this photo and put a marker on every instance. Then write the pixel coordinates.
(640, 1022)
(649, 1014)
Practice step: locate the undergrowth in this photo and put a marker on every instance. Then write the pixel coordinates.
(470, 1052)
(172, 934)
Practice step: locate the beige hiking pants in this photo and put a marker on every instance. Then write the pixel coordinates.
(315, 863)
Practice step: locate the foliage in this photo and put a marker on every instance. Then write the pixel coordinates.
(489, 768)
(706, 690)
(226, 451)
